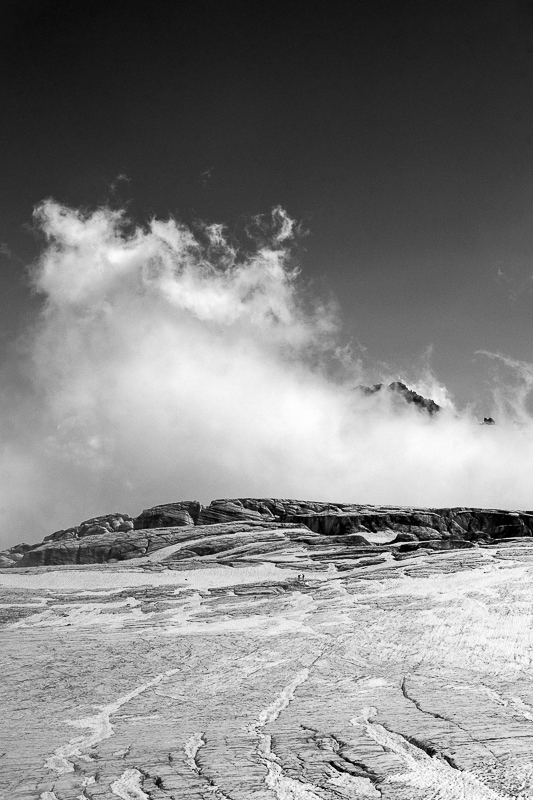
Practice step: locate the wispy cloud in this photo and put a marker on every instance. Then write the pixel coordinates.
(512, 387)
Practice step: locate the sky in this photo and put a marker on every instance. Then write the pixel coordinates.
(398, 137)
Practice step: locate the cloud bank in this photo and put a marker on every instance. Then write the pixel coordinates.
(168, 364)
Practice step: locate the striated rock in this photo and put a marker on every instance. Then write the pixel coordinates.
(227, 511)
(121, 546)
(424, 523)
(283, 509)
(98, 548)
(193, 513)
(185, 512)
(108, 523)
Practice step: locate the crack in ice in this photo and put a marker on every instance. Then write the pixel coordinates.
(192, 746)
(191, 749)
(283, 787)
(439, 779)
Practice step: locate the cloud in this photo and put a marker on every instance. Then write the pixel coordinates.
(168, 364)
(512, 387)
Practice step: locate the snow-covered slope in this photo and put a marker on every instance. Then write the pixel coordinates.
(408, 679)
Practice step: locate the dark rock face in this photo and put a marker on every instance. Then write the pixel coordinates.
(467, 524)
(413, 397)
(403, 391)
(247, 527)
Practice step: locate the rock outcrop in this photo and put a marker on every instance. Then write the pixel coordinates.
(108, 523)
(11, 557)
(169, 515)
(328, 531)
(190, 540)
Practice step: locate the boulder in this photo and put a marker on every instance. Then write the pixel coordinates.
(108, 523)
(185, 512)
(227, 511)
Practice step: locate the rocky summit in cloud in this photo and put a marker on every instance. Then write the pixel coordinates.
(406, 394)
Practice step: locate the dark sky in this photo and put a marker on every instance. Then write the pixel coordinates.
(400, 134)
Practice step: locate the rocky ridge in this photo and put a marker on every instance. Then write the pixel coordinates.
(281, 530)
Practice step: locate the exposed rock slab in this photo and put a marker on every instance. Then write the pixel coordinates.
(120, 546)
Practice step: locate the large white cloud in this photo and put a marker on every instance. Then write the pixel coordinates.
(167, 365)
